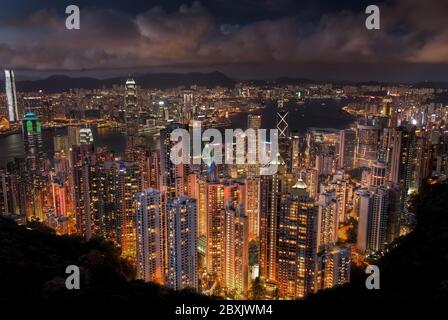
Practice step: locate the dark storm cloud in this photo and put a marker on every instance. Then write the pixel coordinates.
(194, 34)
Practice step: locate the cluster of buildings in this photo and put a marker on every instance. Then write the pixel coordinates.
(219, 228)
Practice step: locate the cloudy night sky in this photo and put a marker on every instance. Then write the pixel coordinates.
(246, 39)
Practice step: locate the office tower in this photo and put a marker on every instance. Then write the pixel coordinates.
(32, 139)
(284, 141)
(236, 250)
(252, 207)
(347, 146)
(272, 187)
(170, 173)
(328, 220)
(149, 236)
(35, 175)
(130, 99)
(378, 173)
(181, 243)
(297, 243)
(335, 267)
(372, 223)
(215, 228)
(11, 96)
(85, 136)
(367, 144)
(282, 120)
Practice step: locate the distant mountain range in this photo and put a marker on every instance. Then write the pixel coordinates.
(59, 83)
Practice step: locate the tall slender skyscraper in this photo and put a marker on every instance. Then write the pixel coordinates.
(215, 228)
(11, 96)
(182, 243)
(32, 139)
(347, 146)
(253, 168)
(327, 219)
(236, 250)
(297, 243)
(172, 175)
(149, 240)
(130, 99)
(282, 120)
(372, 224)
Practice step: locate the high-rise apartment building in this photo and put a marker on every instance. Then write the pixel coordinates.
(149, 236)
(182, 260)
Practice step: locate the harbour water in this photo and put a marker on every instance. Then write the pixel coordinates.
(313, 113)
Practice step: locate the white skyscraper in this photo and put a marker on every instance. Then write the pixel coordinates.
(372, 224)
(11, 97)
(182, 243)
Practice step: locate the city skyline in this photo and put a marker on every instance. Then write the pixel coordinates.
(217, 187)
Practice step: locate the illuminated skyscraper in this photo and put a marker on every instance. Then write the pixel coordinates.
(181, 243)
(8, 196)
(11, 96)
(130, 99)
(372, 223)
(347, 146)
(272, 187)
(335, 267)
(284, 141)
(236, 250)
(126, 180)
(367, 145)
(282, 120)
(149, 239)
(254, 121)
(32, 138)
(74, 137)
(36, 180)
(403, 161)
(215, 228)
(253, 169)
(171, 175)
(252, 207)
(297, 243)
(327, 235)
